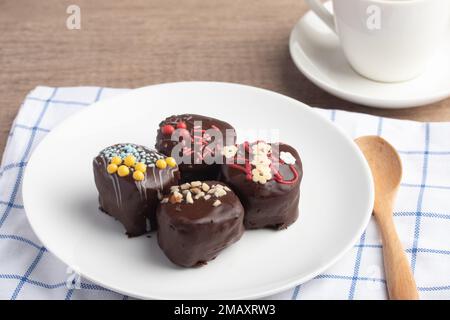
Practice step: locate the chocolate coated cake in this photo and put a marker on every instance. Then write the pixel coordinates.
(131, 180)
(266, 177)
(199, 147)
(197, 220)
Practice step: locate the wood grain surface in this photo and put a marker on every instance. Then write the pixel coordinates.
(135, 43)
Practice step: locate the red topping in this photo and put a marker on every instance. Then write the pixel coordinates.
(184, 133)
(247, 168)
(167, 129)
(181, 125)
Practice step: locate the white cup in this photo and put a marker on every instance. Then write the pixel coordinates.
(387, 40)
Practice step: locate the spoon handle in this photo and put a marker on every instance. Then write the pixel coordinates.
(400, 280)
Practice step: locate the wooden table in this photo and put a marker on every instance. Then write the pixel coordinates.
(141, 42)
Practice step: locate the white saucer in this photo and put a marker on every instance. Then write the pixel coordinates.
(316, 51)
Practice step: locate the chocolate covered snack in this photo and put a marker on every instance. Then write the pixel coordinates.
(130, 180)
(266, 177)
(197, 220)
(200, 146)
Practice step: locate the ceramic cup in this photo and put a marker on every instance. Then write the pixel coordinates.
(387, 40)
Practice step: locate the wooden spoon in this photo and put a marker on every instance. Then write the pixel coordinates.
(386, 168)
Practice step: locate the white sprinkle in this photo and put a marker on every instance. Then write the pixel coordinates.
(217, 203)
(287, 157)
(165, 200)
(207, 197)
(199, 195)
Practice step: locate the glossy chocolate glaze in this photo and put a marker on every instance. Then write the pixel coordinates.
(132, 202)
(269, 205)
(193, 234)
(193, 171)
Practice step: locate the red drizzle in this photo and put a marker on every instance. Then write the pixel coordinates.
(247, 168)
(201, 139)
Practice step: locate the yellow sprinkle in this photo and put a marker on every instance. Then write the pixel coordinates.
(112, 168)
(123, 171)
(171, 162)
(138, 175)
(116, 160)
(161, 164)
(140, 166)
(129, 160)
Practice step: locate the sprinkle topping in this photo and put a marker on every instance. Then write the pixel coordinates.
(126, 159)
(287, 157)
(261, 165)
(229, 151)
(120, 151)
(262, 148)
(262, 172)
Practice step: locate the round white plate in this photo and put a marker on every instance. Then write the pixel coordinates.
(316, 51)
(61, 199)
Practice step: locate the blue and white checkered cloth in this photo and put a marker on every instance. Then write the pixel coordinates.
(422, 213)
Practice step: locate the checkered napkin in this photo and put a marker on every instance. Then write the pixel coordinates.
(422, 213)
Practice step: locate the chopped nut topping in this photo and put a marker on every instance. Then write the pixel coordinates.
(165, 200)
(189, 198)
(196, 190)
(176, 193)
(199, 195)
(220, 192)
(196, 183)
(185, 186)
(176, 198)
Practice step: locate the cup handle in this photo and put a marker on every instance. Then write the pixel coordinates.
(322, 12)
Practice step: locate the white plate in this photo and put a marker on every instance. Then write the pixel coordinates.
(316, 51)
(61, 199)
